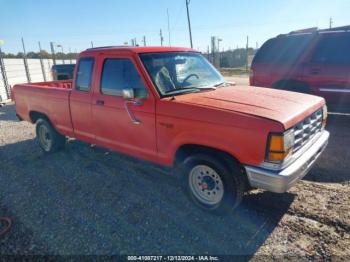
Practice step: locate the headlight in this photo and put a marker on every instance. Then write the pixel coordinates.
(324, 115)
(280, 146)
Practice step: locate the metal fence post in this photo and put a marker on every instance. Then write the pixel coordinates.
(4, 76)
(53, 53)
(42, 62)
(70, 56)
(25, 62)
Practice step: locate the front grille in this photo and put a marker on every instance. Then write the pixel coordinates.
(307, 129)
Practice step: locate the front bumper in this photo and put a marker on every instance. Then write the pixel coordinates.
(279, 181)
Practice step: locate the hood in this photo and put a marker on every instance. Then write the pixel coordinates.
(285, 107)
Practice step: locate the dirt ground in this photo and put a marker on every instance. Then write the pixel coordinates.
(87, 200)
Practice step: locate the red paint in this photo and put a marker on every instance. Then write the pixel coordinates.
(325, 79)
(235, 119)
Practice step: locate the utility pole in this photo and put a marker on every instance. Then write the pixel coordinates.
(144, 41)
(189, 22)
(92, 44)
(219, 40)
(213, 43)
(330, 22)
(247, 58)
(42, 62)
(134, 42)
(53, 53)
(25, 62)
(169, 37)
(161, 37)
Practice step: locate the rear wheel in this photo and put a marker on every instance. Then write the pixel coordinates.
(49, 139)
(211, 184)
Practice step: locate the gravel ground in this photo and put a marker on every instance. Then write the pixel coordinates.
(87, 200)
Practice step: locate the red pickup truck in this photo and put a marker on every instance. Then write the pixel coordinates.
(172, 107)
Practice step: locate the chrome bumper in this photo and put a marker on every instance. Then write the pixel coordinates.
(279, 181)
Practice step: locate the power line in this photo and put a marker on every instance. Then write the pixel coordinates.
(178, 17)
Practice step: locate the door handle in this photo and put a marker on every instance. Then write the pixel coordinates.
(130, 113)
(100, 102)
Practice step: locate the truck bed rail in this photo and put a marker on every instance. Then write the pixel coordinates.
(67, 84)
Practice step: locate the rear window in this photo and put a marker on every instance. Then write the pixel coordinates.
(282, 50)
(333, 49)
(84, 74)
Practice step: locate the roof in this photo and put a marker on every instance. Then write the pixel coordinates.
(138, 50)
(314, 30)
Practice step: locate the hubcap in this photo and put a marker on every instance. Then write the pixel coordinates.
(44, 137)
(206, 185)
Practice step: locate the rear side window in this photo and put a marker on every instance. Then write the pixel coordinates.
(333, 49)
(119, 74)
(282, 50)
(84, 74)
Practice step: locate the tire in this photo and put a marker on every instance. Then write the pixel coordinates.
(49, 139)
(212, 185)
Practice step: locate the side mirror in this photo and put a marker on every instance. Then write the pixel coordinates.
(128, 94)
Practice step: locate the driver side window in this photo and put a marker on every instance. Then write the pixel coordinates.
(119, 74)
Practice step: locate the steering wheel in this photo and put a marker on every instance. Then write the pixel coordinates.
(189, 76)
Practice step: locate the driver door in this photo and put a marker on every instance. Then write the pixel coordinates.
(122, 125)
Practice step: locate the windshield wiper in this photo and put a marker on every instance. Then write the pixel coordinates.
(188, 89)
(182, 90)
(220, 84)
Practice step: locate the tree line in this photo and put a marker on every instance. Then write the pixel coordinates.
(43, 54)
(235, 58)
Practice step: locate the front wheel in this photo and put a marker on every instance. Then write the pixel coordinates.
(49, 139)
(211, 184)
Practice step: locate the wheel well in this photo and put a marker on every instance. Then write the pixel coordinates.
(189, 149)
(186, 150)
(35, 116)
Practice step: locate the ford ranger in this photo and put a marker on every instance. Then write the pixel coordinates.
(170, 106)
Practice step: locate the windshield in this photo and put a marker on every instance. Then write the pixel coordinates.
(180, 72)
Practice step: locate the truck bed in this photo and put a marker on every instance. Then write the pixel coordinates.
(48, 98)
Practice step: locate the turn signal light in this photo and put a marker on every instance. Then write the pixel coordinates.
(280, 146)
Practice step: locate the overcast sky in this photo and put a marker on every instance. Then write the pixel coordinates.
(75, 23)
